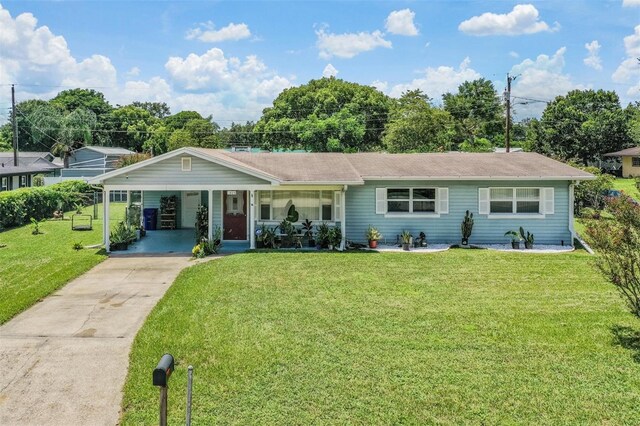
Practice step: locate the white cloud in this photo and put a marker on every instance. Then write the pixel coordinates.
(206, 32)
(155, 90)
(133, 72)
(329, 71)
(400, 22)
(514, 54)
(523, 19)
(380, 85)
(438, 81)
(593, 59)
(32, 54)
(214, 71)
(628, 72)
(542, 79)
(630, 3)
(350, 44)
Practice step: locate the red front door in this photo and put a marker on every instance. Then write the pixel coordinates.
(235, 215)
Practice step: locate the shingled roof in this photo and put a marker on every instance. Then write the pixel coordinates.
(629, 151)
(354, 168)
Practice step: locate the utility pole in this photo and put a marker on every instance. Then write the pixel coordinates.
(15, 125)
(507, 96)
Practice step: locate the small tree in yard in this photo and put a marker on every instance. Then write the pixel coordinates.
(617, 246)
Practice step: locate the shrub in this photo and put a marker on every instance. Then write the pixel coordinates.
(18, 206)
(617, 246)
(590, 193)
(589, 213)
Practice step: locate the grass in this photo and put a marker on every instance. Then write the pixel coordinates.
(628, 185)
(33, 266)
(461, 337)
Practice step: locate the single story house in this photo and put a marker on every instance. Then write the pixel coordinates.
(630, 161)
(29, 165)
(393, 192)
(90, 161)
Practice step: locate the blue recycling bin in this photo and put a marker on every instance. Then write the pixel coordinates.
(150, 219)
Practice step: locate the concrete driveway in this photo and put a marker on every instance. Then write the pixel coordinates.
(64, 360)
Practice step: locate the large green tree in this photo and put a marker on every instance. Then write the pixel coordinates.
(130, 126)
(416, 126)
(477, 111)
(239, 134)
(156, 109)
(76, 132)
(583, 125)
(328, 114)
(198, 133)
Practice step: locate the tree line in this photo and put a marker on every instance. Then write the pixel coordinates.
(333, 115)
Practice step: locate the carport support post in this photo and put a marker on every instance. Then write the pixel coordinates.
(210, 219)
(105, 225)
(252, 222)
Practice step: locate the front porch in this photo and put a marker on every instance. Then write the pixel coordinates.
(177, 241)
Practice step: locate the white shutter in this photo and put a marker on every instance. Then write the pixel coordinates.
(443, 200)
(548, 195)
(337, 206)
(381, 200)
(483, 201)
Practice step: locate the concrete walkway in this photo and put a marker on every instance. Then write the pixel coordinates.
(64, 360)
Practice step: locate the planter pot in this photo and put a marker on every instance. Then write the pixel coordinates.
(330, 246)
(119, 246)
(465, 242)
(259, 244)
(138, 234)
(515, 245)
(373, 244)
(528, 246)
(312, 243)
(405, 246)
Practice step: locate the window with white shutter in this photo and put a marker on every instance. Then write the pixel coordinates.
(548, 200)
(483, 200)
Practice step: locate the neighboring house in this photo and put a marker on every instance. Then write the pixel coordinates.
(630, 161)
(393, 192)
(29, 165)
(90, 161)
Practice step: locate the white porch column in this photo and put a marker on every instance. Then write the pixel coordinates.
(252, 219)
(343, 215)
(105, 225)
(210, 219)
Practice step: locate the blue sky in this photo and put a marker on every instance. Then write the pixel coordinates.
(230, 59)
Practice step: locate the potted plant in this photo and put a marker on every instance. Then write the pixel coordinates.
(121, 237)
(322, 236)
(515, 239)
(307, 225)
(528, 239)
(260, 236)
(373, 236)
(466, 227)
(288, 231)
(269, 237)
(421, 241)
(334, 238)
(405, 237)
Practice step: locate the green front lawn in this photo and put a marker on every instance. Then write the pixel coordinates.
(628, 186)
(465, 336)
(33, 266)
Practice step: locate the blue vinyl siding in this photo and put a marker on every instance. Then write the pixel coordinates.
(361, 212)
(152, 201)
(169, 172)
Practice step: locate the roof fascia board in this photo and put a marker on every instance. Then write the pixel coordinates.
(472, 178)
(171, 154)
